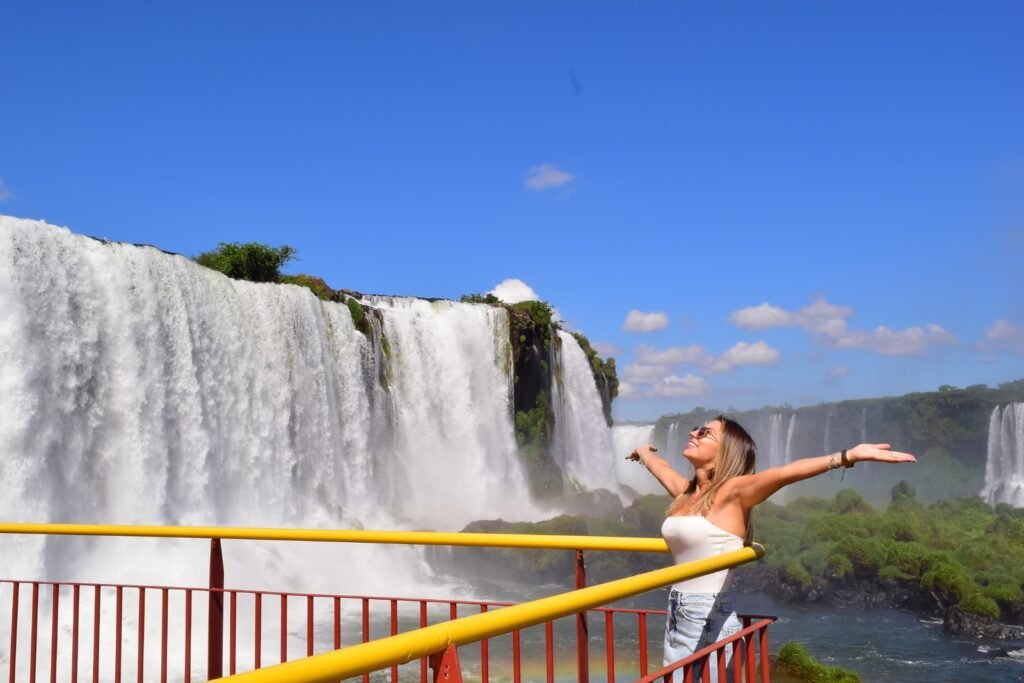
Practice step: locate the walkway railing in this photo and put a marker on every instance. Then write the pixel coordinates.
(437, 642)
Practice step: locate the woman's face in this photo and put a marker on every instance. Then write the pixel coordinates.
(702, 448)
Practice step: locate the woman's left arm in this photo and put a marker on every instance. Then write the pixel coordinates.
(752, 489)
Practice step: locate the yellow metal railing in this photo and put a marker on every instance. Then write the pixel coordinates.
(405, 647)
(648, 545)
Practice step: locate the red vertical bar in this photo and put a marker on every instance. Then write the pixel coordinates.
(34, 641)
(749, 651)
(763, 633)
(366, 630)
(258, 647)
(582, 632)
(74, 636)
(142, 633)
(517, 674)
(188, 635)
(215, 615)
(642, 637)
(53, 634)
(484, 654)
(394, 632)
(737, 660)
(549, 650)
(309, 625)
(163, 635)
(720, 662)
(118, 612)
(453, 611)
(423, 660)
(234, 629)
(609, 643)
(96, 638)
(337, 623)
(14, 627)
(284, 627)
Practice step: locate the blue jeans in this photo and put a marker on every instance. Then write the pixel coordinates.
(696, 620)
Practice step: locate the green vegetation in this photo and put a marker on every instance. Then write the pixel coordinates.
(314, 284)
(960, 552)
(794, 664)
(250, 261)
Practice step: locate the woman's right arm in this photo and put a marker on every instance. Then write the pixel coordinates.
(673, 482)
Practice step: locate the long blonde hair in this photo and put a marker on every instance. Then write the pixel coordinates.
(737, 454)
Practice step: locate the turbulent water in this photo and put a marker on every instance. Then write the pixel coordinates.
(1004, 468)
(138, 387)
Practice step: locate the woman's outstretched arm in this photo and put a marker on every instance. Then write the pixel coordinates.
(752, 489)
(673, 482)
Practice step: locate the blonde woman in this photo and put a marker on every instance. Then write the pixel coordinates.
(710, 515)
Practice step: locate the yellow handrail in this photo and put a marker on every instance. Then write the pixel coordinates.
(647, 545)
(405, 647)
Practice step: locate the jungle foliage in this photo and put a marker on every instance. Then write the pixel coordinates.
(250, 261)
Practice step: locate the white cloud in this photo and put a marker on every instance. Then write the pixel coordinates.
(758, 353)
(5, 192)
(512, 291)
(639, 373)
(827, 324)
(761, 317)
(1004, 336)
(671, 356)
(606, 348)
(911, 341)
(546, 176)
(638, 321)
(626, 390)
(836, 374)
(674, 386)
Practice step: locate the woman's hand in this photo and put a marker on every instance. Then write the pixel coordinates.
(641, 452)
(877, 452)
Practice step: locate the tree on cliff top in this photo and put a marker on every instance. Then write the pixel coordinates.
(250, 261)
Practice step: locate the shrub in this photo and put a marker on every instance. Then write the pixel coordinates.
(794, 660)
(314, 284)
(976, 603)
(250, 261)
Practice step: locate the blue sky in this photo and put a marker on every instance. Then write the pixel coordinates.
(745, 204)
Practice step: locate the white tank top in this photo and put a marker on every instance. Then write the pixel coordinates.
(692, 537)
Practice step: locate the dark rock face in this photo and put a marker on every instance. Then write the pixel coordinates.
(960, 623)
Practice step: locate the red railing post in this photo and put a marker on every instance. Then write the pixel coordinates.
(215, 621)
(446, 666)
(582, 633)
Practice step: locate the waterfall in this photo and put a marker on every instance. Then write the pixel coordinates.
(451, 388)
(583, 440)
(788, 452)
(137, 387)
(1004, 468)
(828, 429)
(776, 448)
(624, 439)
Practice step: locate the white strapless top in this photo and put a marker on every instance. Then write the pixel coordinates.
(692, 537)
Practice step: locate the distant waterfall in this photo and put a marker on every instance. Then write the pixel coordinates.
(624, 439)
(1004, 468)
(138, 387)
(583, 440)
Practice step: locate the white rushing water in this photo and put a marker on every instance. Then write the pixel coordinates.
(583, 440)
(624, 439)
(1004, 468)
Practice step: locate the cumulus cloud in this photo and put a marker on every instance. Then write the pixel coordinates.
(671, 356)
(674, 386)
(547, 176)
(827, 323)
(743, 353)
(638, 321)
(836, 374)
(1004, 336)
(512, 291)
(606, 348)
(626, 390)
(5, 192)
(641, 373)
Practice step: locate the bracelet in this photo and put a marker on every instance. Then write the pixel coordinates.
(846, 461)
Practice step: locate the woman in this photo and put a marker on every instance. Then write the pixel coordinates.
(710, 515)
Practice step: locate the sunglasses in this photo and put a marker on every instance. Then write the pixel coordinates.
(702, 432)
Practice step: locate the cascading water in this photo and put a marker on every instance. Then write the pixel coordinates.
(1004, 467)
(137, 387)
(624, 439)
(583, 440)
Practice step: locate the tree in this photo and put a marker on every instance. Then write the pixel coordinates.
(250, 261)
